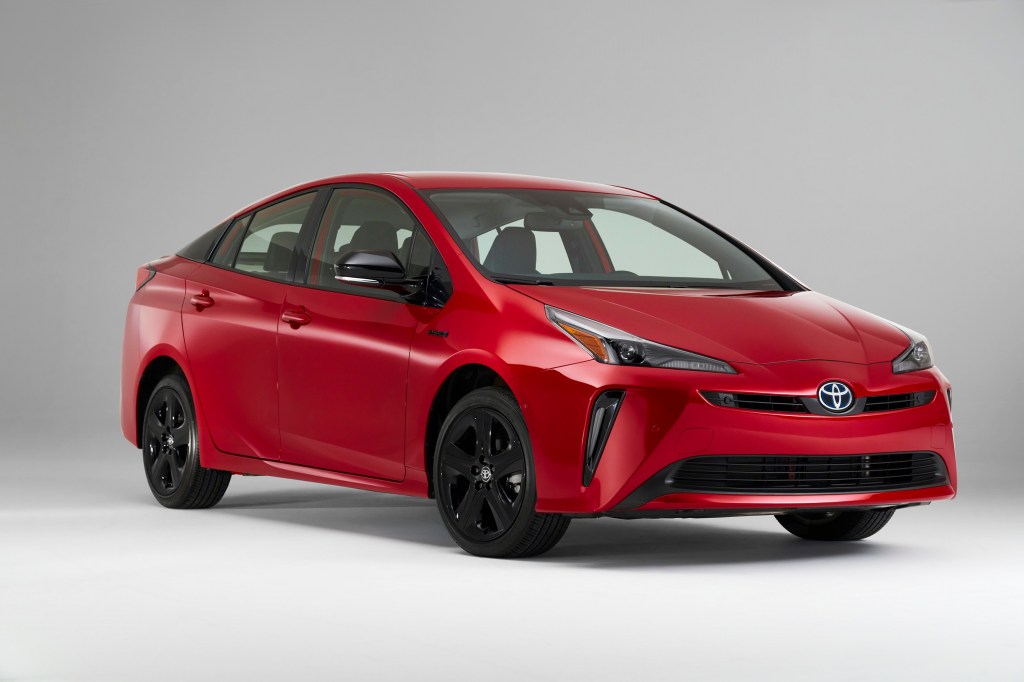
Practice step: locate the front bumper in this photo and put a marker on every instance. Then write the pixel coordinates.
(664, 419)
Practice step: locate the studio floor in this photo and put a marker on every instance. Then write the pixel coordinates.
(294, 581)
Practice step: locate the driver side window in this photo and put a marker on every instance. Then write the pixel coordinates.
(359, 219)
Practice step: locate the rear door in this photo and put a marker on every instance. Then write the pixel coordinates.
(230, 316)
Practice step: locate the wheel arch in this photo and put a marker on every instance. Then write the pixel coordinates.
(157, 363)
(461, 381)
(157, 368)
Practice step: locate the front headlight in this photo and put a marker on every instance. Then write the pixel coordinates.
(917, 356)
(615, 347)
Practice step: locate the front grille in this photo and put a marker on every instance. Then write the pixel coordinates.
(815, 474)
(897, 401)
(757, 401)
(764, 402)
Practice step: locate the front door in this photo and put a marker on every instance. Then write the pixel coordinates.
(344, 358)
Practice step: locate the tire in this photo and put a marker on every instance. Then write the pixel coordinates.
(484, 479)
(844, 525)
(170, 450)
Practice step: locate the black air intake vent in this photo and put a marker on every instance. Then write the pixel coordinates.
(602, 418)
(815, 474)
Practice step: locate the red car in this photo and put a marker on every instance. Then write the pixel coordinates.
(524, 350)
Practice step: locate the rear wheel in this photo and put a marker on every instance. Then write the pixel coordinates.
(835, 525)
(170, 450)
(485, 482)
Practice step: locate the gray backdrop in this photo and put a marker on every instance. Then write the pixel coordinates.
(874, 149)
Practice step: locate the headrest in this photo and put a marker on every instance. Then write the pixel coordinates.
(374, 235)
(279, 252)
(514, 251)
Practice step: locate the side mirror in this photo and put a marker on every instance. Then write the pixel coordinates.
(369, 268)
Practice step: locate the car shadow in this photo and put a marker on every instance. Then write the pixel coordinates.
(652, 543)
(596, 543)
(396, 517)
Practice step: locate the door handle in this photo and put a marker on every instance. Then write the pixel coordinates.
(296, 317)
(202, 301)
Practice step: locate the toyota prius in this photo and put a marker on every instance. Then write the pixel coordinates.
(524, 351)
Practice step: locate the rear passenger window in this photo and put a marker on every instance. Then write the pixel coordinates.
(268, 240)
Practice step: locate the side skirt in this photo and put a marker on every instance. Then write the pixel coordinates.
(414, 485)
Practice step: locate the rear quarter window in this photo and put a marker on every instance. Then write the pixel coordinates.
(202, 248)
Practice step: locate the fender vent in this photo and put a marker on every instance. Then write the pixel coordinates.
(602, 418)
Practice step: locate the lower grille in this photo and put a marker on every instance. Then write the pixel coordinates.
(816, 474)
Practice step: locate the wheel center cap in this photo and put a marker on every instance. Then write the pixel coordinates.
(168, 440)
(486, 474)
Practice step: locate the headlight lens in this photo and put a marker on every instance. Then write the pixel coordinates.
(615, 347)
(917, 356)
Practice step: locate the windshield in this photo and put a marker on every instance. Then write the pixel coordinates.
(579, 238)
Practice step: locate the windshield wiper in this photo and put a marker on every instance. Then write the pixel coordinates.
(676, 285)
(513, 279)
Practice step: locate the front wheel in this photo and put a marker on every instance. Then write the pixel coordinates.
(485, 482)
(170, 450)
(835, 525)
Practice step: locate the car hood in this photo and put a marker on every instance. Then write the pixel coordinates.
(739, 326)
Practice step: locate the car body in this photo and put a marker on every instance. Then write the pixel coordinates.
(305, 357)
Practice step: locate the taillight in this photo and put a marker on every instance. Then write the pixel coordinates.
(143, 275)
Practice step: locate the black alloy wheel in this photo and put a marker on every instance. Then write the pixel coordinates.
(484, 481)
(483, 472)
(170, 450)
(168, 439)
